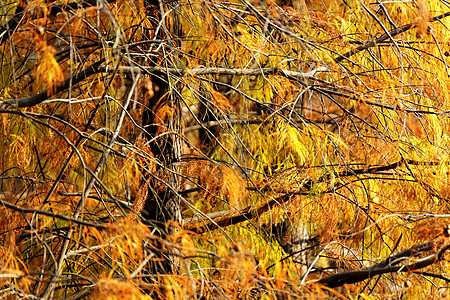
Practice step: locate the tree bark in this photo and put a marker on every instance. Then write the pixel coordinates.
(161, 208)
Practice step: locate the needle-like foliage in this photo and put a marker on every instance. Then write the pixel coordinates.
(224, 150)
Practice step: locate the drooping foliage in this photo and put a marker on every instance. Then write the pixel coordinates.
(207, 150)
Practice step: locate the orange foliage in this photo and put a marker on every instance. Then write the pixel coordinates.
(354, 153)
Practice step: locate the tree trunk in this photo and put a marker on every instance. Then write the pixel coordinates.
(159, 191)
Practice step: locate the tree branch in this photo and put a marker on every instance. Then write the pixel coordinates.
(220, 71)
(396, 31)
(50, 214)
(384, 267)
(34, 100)
(233, 217)
(200, 224)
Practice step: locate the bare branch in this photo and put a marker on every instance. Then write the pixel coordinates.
(383, 268)
(220, 71)
(34, 100)
(50, 214)
(396, 31)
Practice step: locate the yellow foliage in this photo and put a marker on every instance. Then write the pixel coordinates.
(288, 147)
(49, 70)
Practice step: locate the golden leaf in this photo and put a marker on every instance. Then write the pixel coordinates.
(49, 70)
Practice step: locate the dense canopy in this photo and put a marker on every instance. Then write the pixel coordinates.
(224, 150)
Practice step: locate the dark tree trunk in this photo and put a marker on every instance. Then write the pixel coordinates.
(163, 131)
(162, 203)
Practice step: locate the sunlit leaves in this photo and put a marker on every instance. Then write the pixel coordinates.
(353, 154)
(48, 69)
